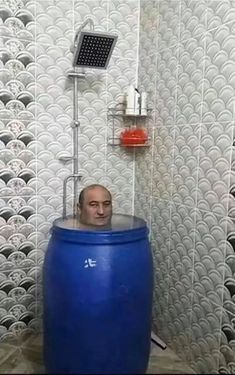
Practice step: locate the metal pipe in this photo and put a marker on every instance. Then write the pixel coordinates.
(65, 194)
(75, 145)
(66, 180)
(74, 157)
(92, 26)
(90, 21)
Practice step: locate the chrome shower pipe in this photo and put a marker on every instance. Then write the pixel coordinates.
(66, 180)
(75, 126)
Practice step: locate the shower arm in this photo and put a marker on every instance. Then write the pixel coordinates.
(92, 26)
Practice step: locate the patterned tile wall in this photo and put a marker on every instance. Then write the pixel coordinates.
(186, 178)
(36, 112)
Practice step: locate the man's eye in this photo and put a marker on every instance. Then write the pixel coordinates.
(107, 204)
(93, 204)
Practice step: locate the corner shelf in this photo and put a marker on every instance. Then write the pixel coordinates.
(116, 142)
(115, 112)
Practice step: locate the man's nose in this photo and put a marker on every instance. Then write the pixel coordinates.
(100, 209)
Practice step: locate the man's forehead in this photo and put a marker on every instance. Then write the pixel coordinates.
(97, 194)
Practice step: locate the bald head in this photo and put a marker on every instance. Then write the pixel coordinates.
(95, 205)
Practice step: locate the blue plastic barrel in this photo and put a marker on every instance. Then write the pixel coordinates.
(98, 289)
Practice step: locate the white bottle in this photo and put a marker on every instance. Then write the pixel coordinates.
(143, 104)
(137, 102)
(130, 100)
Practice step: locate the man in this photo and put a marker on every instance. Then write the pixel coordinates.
(95, 206)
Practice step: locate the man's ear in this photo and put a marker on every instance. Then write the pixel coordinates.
(79, 209)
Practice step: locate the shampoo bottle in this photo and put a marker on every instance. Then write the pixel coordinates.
(137, 102)
(144, 104)
(130, 100)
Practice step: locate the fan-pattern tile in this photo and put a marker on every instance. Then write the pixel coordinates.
(17, 176)
(166, 86)
(227, 353)
(48, 209)
(192, 18)
(17, 233)
(205, 335)
(162, 182)
(219, 12)
(17, 135)
(229, 290)
(169, 23)
(214, 167)
(97, 10)
(181, 276)
(190, 80)
(18, 267)
(231, 198)
(185, 164)
(120, 74)
(182, 236)
(54, 112)
(160, 244)
(54, 22)
(210, 245)
(142, 206)
(123, 18)
(17, 79)
(120, 169)
(149, 20)
(218, 97)
(143, 171)
(119, 162)
(147, 81)
(17, 19)
(147, 56)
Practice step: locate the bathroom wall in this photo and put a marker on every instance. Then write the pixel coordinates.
(184, 183)
(36, 111)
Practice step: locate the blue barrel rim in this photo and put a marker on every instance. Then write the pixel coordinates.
(101, 231)
(101, 236)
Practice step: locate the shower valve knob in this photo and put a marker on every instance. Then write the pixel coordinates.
(66, 159)
(75, 124)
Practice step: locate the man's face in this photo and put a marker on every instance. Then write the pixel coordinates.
(97, 207)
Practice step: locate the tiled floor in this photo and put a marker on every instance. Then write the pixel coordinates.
(26, 358)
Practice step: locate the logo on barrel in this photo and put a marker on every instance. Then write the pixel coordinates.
(89, 263)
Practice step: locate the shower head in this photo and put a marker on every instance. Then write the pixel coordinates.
(93, 49)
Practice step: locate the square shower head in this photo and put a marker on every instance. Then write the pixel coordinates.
(94, 49)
